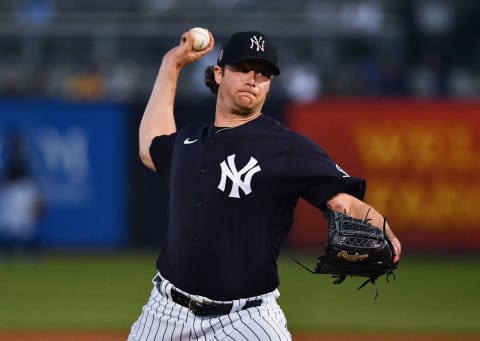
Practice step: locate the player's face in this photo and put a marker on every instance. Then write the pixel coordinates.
(244, 86)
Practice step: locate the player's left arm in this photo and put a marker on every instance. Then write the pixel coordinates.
(354, 207)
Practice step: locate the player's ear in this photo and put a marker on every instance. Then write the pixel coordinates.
(218, 73)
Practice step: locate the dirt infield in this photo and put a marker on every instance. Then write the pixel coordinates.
(81, 336)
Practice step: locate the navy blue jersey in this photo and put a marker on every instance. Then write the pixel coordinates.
(232, 195)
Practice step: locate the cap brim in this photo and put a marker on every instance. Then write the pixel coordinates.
(273, 67)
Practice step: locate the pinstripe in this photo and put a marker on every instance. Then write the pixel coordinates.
(246, 325)
(142, 325)
(164, 306)
(145, 318)
(167, 325)
(173, 331)
(183, 324)
(278, 317)
(174, 326)
(205, 332)
(235, 328)
(212, 328)
(194, 329)
(173, 321)
(200, 325)
(270, 324)
(256, 322)
(201, 328)
(150, 312)
(163, 319)
(223, 329)
(187, 323)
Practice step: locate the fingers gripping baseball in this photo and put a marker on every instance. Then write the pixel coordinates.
(184, 53)
(191, 49)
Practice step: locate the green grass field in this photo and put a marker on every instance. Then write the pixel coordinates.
(105, 292)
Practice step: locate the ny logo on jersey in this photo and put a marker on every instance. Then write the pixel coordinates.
(257, 43)
(229, 170)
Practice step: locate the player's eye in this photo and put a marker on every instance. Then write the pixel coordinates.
(239, 68)
(262, 76)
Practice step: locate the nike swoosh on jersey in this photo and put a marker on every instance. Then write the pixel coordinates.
(189, 141)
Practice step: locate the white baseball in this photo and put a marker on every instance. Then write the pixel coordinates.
(201, 38)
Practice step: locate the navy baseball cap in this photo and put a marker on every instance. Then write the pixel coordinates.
(251, 45)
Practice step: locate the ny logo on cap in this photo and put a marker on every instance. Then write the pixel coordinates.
(257, 43)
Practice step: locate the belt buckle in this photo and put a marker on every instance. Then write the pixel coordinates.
(196, 306)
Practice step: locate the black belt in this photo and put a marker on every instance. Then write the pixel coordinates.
(204, 308)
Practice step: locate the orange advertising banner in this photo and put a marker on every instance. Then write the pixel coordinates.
(421, 160)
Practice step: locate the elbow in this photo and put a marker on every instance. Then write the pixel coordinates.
(144, 143)
(144, 155)
(143, 151)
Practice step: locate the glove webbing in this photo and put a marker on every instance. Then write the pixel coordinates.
(338, 279)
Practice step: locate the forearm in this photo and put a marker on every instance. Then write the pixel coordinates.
(158, 118)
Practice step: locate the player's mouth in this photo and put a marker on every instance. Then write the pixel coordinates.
(247, 93)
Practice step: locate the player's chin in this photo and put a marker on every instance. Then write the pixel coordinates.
(243, 112)
(247, 99)
(246, 108)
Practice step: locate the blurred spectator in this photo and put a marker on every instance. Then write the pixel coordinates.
(302, 82)
(367, 16)
(432, 46)
(393, 80)
(429, 77)
(434, 17)
(21, 203)
(463, 83)
(122, 82)
(87, 84)
(158, 6)
(35, 11)
(12, 80)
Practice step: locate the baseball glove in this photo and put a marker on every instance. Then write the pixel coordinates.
(355, 248)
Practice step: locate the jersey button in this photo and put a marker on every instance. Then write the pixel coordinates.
(203, 170)
(198, 203)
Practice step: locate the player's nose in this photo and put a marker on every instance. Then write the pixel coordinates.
(250, 77)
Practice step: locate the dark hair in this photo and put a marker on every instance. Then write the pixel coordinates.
(210, 79)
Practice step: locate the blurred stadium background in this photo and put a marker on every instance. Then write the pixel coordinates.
(390, 88)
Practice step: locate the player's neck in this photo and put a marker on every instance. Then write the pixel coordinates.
(233, 120)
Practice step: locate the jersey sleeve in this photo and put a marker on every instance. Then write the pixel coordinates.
(318, 177)
(161, 151)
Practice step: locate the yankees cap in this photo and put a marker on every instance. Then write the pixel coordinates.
(251, 45)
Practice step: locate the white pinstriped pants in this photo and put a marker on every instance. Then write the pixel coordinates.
(163, 319)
